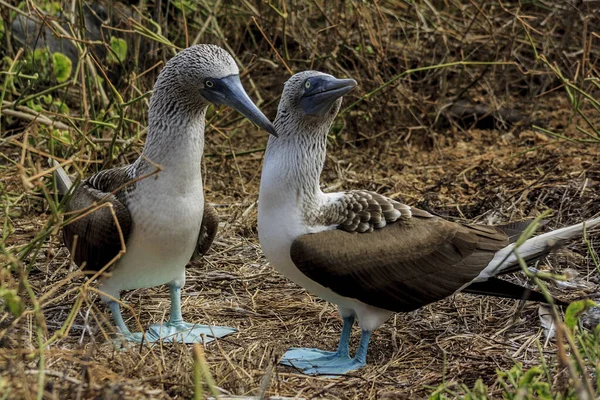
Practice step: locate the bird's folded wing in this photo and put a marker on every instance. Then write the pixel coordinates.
(208, 230)
(405, 265)
(96, 237)
(364, 211)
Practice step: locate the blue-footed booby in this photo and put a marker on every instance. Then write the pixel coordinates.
(161, 217)
(368, 254)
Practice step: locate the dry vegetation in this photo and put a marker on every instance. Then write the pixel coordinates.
(527, 71)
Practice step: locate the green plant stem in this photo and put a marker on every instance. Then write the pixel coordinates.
(42, 93)
(42, 364)
(20, 75)
(5, 86)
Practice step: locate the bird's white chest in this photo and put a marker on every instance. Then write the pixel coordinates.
(279, 224)
(166, 224)
(277, 229)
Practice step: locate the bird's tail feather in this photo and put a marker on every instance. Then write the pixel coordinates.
(533, 247)
(63, 182)
(501, 288)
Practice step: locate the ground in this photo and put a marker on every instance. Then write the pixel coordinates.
(398, 142)
(460, 339)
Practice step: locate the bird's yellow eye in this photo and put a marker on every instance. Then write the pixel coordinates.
(209, 84)
(307, 85)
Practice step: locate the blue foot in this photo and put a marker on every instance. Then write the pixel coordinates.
(124, 336)
(335, 368)
(306, 354)
(185, 332)
(304, 358)
(332, 364)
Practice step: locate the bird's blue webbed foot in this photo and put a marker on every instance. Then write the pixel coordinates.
(174, 330)
(177, 330)
(186, 333)
(335, 367)
(306, 358)
(124, 334)
(320, 362)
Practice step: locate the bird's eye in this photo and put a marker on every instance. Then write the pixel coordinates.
(209, 84)
(307, 85)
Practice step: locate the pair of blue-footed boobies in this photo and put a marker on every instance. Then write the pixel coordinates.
(369, 254)
(162, 218)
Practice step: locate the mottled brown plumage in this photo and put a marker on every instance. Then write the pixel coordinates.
(98, 239)
(361, 211)
(208, 230)
(402, 266)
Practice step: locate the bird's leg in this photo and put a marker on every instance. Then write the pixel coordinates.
(360, 358)
(343, 366)
(305, 358)
(124, 332)
(175, 317)
(344, 344)
(177, 330)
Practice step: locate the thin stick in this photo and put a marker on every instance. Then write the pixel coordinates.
(272, 47)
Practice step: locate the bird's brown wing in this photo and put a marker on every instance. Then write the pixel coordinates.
(208, 230)
(402, 266)
(95, 238)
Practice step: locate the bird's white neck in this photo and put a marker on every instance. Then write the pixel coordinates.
(292, 167)
(175, 140)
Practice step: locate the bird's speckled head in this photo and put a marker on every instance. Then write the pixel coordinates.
(311, 99)
(194, 67)
(199, 75)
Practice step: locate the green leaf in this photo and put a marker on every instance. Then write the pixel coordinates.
(61, 107)
(34, 106)
(116, 151)
(38, 61)
(479, 392)
(12, 301)
(576, 310)
(119, 50)
(62, 136)
(40, 56)
(438, 393)
(527, 378)
(54, 8)
(597, 370)
(185, 5)
(62, 67)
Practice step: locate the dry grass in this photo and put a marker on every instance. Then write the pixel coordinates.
(395, 137)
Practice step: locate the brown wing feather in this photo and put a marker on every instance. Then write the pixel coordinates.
(400, 267)
(363, 211)
(208, 230)
(98, 239)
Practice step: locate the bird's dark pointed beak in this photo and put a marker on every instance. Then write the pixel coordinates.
(229, 91)
(325, 91)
